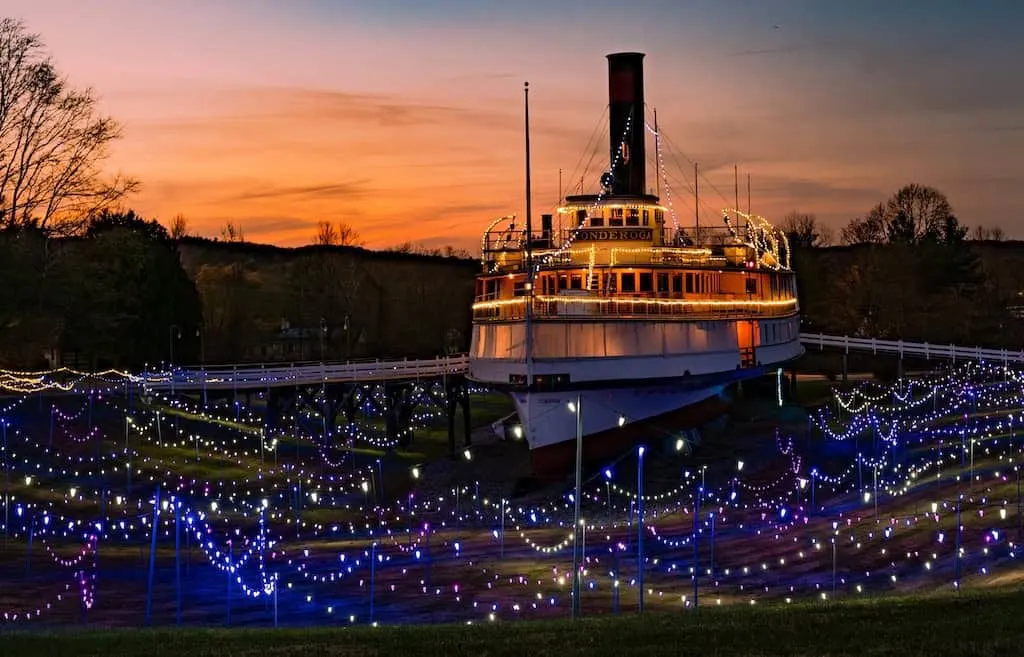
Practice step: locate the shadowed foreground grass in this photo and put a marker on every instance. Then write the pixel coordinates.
(935, 626)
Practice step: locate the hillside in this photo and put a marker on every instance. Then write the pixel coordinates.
(938, 294)
(270, 303)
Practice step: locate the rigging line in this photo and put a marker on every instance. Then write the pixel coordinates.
(595, 136)
(593, 153)
(703, 176)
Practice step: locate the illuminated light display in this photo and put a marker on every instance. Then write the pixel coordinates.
(793, 525)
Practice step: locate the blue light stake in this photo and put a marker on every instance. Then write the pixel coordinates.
(152, 555)
(640, 521)
(177, 559)
(696, 555)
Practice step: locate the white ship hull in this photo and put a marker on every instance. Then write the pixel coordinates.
(654, 393)
(548, 417)
(613, 419)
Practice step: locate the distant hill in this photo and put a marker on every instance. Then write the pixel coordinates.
(267, 303)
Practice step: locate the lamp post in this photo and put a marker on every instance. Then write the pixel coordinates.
(874, 468)
(835, 541)
(348, 339)
(578, 410)
(739, 469)
(608, 488)
(173, 333)
(814, 472)
(323, 336)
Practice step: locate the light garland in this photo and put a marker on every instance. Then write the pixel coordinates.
(771, 517)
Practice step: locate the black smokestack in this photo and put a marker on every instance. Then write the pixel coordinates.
(626, 107)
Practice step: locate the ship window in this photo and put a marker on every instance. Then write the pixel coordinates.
(677, 283)
(576, 282)
(634, 217)
(628, 283)
(689, 283)
(491, 289)
(615, 219)
(596, 222)
(520, 289)
(581, 218)
(751, 286)
(662, 283)
(646, 282)
(563, 282)
(647, 218)
(659, 216)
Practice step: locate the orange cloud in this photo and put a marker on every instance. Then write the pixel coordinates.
(411, 129)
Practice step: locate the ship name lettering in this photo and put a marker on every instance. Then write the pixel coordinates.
(625, 234)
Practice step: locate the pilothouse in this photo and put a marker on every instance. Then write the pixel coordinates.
(631, 326)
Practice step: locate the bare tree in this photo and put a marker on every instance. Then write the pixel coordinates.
(337, 235)
(803, 230)
(455, 252)
(232, 233)
(404, 247)
(985, 234)
(919, 211)
(448, 251)
(326, 234)
(826, 235)
(348, 236)
(913, 215)
(179, 227)
(869, 229)
(52, 141)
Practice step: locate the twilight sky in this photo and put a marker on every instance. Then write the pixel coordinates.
(404, 119)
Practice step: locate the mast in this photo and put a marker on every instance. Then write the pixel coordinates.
(735, 179)
(529, 217)
(748, 193)
(657, 155)
(529, 243)
(696, 205)
(561, 196)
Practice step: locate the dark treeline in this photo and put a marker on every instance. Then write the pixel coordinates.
(124, 293)
(909, 269)
(112, 296)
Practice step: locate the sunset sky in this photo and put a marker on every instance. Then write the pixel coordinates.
(404, 119)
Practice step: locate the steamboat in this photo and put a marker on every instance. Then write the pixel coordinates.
(618, 327)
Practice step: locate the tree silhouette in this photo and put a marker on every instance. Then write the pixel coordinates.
(328, 234)
(52, 141)
(232, 233)
(803, 230)
(179, 227)
(915, 214)
(869, 229)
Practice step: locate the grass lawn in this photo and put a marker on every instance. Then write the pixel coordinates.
(972, 624)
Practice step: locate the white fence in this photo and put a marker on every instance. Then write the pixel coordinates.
(263, 376)
(919, 349)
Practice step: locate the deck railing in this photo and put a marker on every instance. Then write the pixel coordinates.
(622, 306)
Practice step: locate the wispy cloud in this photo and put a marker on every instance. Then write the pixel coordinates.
(335, 191)
(408, 124)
